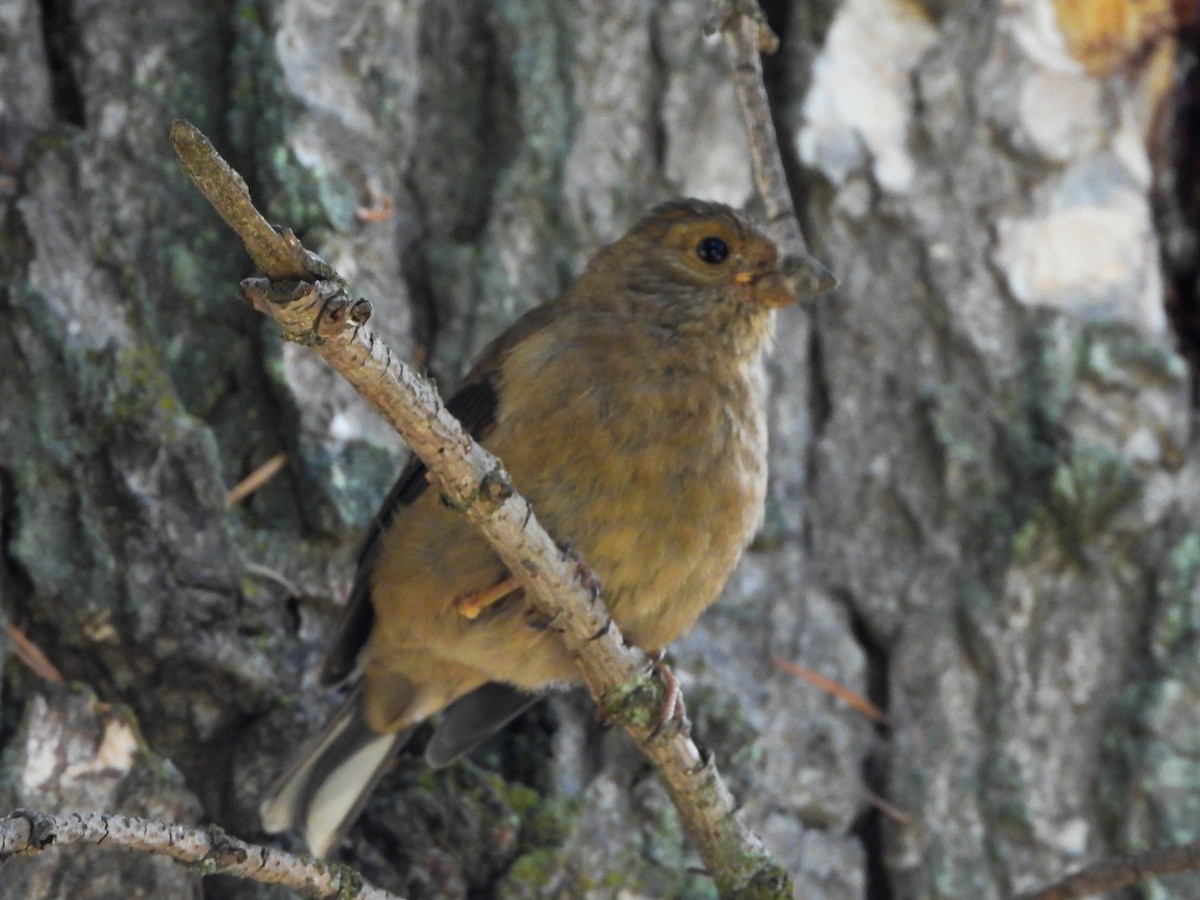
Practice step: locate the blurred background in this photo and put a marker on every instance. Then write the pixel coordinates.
(983, 514)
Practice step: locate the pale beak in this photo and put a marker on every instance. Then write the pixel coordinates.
(767, 289)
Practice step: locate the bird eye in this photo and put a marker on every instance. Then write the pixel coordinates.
(712, 250)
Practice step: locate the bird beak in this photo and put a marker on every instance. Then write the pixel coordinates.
(767, 289)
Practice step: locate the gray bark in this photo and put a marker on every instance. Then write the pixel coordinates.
(984, 496)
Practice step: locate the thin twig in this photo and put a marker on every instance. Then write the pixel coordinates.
(31, 654)
(1120, 872)
(746, 33)
(258, 570)
(226, 190)
(210, 850)
(319, 314)
(256, 479)
(854, 700)
(887, 807)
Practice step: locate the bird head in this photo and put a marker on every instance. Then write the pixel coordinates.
(689, 259)
(702, 244)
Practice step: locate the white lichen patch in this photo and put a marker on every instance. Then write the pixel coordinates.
(60, 753)
(1089, 247)
(1093, 259)
(114, 755)
(857, 112)
(1062, 114)
(41, 747)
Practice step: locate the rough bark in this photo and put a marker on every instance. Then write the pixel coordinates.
(984, 500)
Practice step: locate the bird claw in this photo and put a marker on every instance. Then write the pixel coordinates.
(672, 716)
(583, 572)
(604, 629)
(535, 621)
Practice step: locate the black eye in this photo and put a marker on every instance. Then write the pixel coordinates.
(712, 250)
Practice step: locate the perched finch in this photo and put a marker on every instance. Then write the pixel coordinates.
(631, 412)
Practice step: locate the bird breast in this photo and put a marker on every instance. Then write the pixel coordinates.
(648, 456)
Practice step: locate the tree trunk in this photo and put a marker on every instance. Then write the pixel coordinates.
(983, 513)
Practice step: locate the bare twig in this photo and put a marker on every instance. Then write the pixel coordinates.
(746, 33)
(256, 479)
(318, 313)
(209, 850)
(1120, 872)
(854, 700)
(258, 570)
(226, 190)
(31, 654)
(888, 808)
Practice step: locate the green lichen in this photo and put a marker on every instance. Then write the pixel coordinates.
(634, 703)
(533, 104)
(952, 423)
(1065, 505)
(1178, 621)
(1044, 489)
(65, 141)
(1111, 355)
(1032, 537)
(137, 390)
(1087, 488)
(533, 871)
(770, 882)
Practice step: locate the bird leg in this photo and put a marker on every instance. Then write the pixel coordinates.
(672, 711)
(472, 605)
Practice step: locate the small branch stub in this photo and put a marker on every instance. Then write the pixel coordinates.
(292, 305)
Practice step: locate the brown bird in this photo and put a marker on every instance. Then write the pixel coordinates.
(631, 413)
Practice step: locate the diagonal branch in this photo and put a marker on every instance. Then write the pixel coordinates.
(316, 312)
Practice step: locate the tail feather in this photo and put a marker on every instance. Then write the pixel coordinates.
(325, 789)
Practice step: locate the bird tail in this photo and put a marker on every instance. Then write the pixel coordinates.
(326, 787)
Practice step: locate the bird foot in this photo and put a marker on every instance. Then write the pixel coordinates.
(586, 574)
(672, 716)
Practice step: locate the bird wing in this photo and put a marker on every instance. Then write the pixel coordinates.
(473, 718)
(475, 404)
